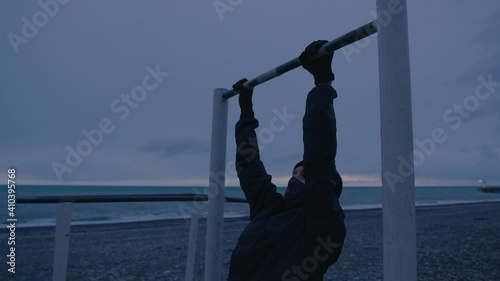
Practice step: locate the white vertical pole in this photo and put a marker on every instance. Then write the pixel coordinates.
(193, 234)
(61, 243)
(399, 234)
(215, 219)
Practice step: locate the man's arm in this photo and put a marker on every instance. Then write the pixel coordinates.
(320, 139)
(254, 180)
(320, 148)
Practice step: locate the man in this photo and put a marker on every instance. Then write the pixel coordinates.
(299, 235)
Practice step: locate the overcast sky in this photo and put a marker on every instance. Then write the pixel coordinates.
(66, 68)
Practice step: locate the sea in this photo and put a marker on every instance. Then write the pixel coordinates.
(44, 214)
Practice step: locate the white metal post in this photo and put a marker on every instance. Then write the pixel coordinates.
(398, 180)
(215, 219)
(193, 235)
(61, 243)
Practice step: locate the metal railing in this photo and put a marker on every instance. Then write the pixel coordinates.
(64, 215)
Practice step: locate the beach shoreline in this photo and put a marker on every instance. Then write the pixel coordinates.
(454, 242)
(245, 216)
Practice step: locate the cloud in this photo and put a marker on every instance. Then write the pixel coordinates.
(51, 94)
(170, 148)
(479, 47)
(489, 153)
(491, 26)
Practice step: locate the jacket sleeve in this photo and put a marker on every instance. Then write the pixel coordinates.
(256, 183)
(320, 149)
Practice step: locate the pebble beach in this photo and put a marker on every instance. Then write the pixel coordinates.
(456, 242)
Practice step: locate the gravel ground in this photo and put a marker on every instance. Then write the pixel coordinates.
(459, 242)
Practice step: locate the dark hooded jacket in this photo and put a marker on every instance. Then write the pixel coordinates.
(289, 237)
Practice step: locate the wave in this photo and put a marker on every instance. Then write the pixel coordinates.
(428, 203)
(454, 202)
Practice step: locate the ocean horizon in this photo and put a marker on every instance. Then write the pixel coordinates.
(352, 198)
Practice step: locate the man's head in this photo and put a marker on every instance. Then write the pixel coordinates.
(296, 188)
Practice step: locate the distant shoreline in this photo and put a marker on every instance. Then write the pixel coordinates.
(243, 217)
(206, 186)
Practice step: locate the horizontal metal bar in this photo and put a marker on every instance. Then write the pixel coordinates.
(342, 41)
(122, 198)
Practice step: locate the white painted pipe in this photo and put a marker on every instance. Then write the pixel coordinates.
(399, 234)
(193, 235)
(215, 219)
(61, 243)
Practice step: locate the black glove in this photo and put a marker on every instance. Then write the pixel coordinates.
(320, 68)
(245, 96)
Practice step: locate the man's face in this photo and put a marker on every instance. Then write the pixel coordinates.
(298, 173)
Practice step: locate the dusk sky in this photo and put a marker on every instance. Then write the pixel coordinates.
(68, 70)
